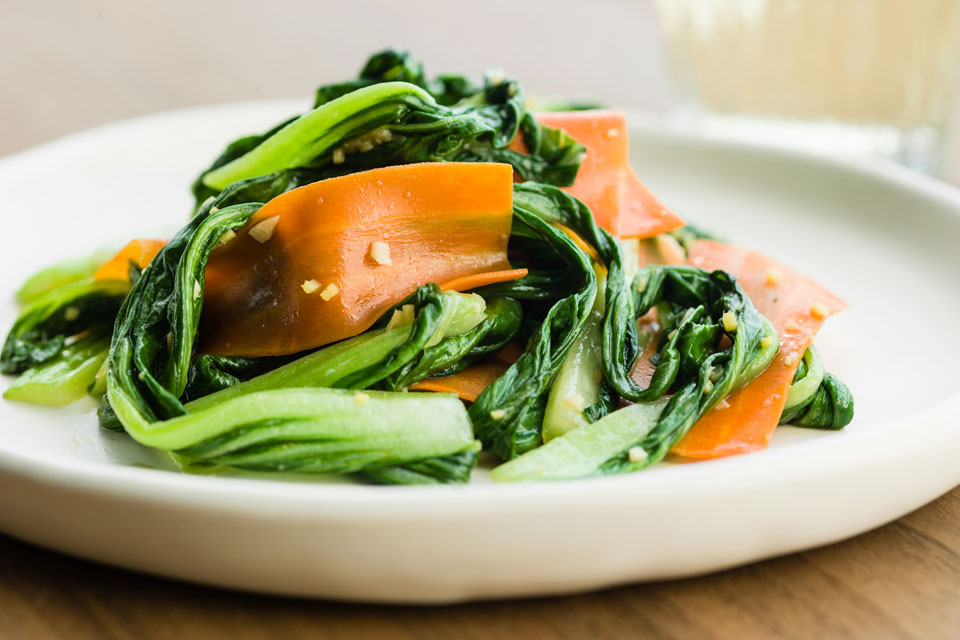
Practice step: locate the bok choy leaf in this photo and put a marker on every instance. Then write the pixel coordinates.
(817, 399)
(393, 115)
(66, 377)
(508, 414)
(699, 312)
(41, 331)
(314, 430)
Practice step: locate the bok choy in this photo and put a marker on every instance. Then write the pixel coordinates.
(408, 235)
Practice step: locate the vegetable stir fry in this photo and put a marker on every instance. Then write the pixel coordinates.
(417, 271)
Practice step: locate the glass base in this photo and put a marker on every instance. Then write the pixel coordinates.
(917, 148)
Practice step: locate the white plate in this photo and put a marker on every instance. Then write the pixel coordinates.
(881, 237)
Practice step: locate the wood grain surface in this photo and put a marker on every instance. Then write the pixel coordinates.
(900, 581)
(65, 66)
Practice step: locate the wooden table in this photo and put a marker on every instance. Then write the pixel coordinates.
(66, 66)
(900, 581)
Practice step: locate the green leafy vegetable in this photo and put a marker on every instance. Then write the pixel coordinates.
(393, 115)
(400, 66)
(586, 450)
(364, 360)
(817, 399)
(507, 415)
(40, 332)
(156, 327)
(455, 352)
(314, 430)
(211, 372)
(577, 386)
(449, 469)
(698, 311)
(553, 156)
(60, 274)
(66, 377)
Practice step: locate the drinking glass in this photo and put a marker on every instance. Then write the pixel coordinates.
(853, 76)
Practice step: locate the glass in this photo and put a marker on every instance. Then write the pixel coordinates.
(855, 76)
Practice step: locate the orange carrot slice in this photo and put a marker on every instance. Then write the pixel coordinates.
(321, 263)
(469, 383)
(510, 353)
(580, 242)
(465, 283)
(139, 251)
(797, 306)
(620, 202)
(643, 369)
(642, 215)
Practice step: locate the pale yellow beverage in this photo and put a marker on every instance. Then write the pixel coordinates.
(878, 73)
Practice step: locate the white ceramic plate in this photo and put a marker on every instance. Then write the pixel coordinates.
(881, 237)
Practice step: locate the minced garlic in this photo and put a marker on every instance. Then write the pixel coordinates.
(773, 277)
(636, 454)
(402, 316)
(263, 230)
(819, 310)
(498, 414)
(227, 236)
(792, 326)
(361, 398)
(729, 320)
(575, 402)
(197, 289)
(330, 291)
(766, 341)
(380, 252)
(309, 286)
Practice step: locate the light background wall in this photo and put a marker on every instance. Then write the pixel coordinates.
(70, 64)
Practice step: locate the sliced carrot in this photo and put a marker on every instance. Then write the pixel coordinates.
(642, 215)
(580, 242)
(465, 283)
(321, 263)
(139, 251)
(620, 202)
(510, 353)
(796, 305)
(469, 383)
(643, 369)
